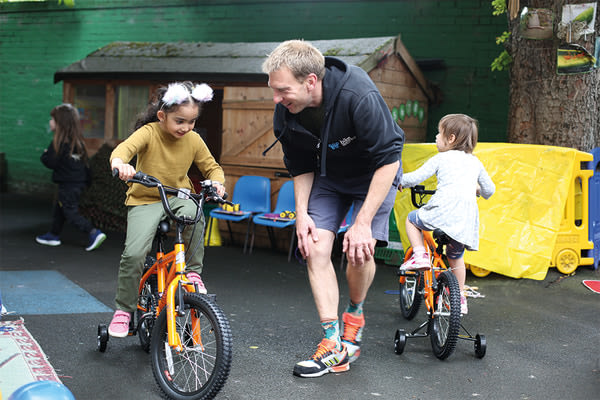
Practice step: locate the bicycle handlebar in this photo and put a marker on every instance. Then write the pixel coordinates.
(208, 193)
(421, 192)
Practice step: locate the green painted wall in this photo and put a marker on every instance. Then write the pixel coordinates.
(37, 39)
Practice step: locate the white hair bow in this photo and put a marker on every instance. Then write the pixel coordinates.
(202, 93)
(176, 94)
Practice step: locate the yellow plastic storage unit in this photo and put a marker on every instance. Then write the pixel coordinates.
(573, 246)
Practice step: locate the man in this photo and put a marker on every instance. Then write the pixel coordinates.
(342, 147)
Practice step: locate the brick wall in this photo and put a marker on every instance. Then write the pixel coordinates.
(36, 39)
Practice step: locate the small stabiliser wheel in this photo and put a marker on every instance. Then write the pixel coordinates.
(102, 338)
(480, 345)
(399, 341)
(444, 322)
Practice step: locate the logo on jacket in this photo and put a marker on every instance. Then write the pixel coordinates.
(342, 142)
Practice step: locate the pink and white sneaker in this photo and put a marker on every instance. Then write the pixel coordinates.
(119, 326)
(418, 262)
(194, 277)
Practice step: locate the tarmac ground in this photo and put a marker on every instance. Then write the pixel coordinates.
(542, 337)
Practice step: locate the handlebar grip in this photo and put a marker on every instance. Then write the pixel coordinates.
(115, 172)
(139, 176)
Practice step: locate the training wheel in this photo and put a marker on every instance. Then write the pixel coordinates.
(480, 345)
(399, 341)
(102, 338)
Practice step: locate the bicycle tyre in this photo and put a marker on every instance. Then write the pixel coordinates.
(193, 374)
(411, 295)
(444, 322)
(147, 300)
(410, 291)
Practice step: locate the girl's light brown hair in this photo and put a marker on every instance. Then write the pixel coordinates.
(68, 130)
(464, 128)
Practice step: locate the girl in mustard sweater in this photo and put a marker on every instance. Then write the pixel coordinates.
(166, 146)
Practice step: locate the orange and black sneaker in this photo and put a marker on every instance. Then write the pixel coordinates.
(353, 327)
(326, 359)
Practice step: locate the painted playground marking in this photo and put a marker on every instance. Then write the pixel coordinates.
(45, 292)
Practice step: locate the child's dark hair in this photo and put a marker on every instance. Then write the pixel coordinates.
(173, 102)
(68, 130)
(464, 128)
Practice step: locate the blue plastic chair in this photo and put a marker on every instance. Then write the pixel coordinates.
(253, 194)
(285, 202)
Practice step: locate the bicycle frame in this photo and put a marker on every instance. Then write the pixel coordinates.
(435, 284)
(430, 275)
(168, 282)
(171, 282)
(171, 309)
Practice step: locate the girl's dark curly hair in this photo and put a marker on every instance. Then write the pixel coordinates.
(157, 104)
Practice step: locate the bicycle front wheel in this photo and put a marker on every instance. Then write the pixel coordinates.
(200, 370)
(444, 322)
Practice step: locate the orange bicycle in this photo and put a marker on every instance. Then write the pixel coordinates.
(438, 288)
(186, 333)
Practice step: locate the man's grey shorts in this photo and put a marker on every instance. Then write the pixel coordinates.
(330, 199)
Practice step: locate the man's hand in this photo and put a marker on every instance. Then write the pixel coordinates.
(358, 244)
(306, 232)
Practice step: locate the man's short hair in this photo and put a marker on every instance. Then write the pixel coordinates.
(301, 57)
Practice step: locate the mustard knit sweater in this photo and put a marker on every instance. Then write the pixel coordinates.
(167, 158)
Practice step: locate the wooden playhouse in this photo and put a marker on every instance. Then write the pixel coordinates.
(113, 84)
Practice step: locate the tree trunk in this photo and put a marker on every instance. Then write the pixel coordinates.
(545, 107)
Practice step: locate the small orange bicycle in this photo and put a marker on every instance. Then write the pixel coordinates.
(187, 334)
(438, 288)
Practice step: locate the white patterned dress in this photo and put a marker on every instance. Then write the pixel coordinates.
(453, 208)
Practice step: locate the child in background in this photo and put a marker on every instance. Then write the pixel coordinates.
(461, 178)
(166, 146)
(67, 156)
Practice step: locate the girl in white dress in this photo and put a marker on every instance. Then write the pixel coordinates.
(461, 178)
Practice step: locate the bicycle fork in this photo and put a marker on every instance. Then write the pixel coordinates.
(176, 290)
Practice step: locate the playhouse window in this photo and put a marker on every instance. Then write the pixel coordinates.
(90, 100)
(130, 101)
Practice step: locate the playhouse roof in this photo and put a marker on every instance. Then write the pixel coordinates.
(219, 62)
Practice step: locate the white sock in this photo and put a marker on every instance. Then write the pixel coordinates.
(418, 251)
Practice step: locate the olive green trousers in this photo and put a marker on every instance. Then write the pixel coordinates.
(142, 223)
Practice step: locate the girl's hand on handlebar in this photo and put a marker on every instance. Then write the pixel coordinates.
(126, 171)
(219, 187)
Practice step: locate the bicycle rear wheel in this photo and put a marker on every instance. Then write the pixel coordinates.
(411, 290)
(444, 322)
(411, 295)
(147, 300)
(200, 370)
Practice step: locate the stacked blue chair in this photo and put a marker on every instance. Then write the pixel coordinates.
(280, 218)
(253, 194)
